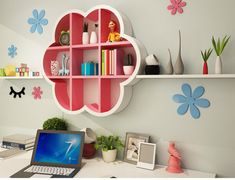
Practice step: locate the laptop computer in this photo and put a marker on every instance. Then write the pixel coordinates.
(56, 153)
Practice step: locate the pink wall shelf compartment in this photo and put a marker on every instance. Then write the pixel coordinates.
(100, 95)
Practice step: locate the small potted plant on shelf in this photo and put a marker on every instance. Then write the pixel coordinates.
(109, 145)
(205, 56)
(55, 124)
(85, 34)
(128, 67)
(219, 48)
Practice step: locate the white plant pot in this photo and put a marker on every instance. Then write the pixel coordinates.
(109, 156)
(90, 135)
(218, 65)
(85, 38)
(93, 38)
(128, 70)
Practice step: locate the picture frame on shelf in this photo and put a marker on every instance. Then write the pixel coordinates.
(146, 155)
(131, 149)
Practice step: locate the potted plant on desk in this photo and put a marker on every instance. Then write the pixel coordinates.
(109, 145)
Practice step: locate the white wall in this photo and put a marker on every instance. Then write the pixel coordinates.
(206, 144)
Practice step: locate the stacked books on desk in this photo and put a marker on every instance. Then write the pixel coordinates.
(21, 141)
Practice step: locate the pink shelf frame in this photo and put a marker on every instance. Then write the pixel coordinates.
(73, 84)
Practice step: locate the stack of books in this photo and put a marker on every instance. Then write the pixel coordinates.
(112, 62)
(21, 141)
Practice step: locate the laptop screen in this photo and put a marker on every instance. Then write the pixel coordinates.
(58, 148)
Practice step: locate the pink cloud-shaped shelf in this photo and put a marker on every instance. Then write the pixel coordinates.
(100, 95)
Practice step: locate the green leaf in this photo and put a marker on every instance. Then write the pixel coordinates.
(225, 42)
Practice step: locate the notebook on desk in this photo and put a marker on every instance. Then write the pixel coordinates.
(56, 153)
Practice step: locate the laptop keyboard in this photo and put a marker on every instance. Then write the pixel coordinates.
(50, 170)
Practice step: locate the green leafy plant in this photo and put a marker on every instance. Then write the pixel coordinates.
(106, 143)
(85, 27)
(220, 45)
(206, 54)
(55, 124)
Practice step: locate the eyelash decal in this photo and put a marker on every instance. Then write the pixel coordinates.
(17, 93)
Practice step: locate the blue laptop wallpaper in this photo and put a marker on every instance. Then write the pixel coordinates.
(58, 148)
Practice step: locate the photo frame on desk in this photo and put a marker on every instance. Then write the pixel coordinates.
(132, 146)
(146, 155)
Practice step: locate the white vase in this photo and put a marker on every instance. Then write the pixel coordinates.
(93, 38)
(90, 135)
(85, 38)
(218, 65)
(110, 155)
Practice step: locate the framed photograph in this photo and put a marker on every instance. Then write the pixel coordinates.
(146, 156)
(132, 146)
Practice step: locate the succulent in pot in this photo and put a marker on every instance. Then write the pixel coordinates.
(206, 55)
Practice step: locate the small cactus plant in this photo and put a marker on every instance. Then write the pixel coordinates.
(128, 60)
(85, 27)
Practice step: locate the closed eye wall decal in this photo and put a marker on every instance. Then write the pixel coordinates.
(15, 94)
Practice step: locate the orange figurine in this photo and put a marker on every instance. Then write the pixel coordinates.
(113, 35)
(174, 160)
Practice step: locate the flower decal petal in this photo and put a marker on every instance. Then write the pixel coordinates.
(37, 21)
(179, 98)
(194, 111)
(176, 6)
(204, 103)
(191, 101)
(187, 90)
(183, 109)
(198, 92)
(37, 93)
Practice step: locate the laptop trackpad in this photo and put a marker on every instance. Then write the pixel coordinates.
(41, 176)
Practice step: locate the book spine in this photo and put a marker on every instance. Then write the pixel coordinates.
(15, 145)
(107, 62)
(102, 63)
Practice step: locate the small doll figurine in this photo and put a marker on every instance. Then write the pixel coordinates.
(113, 35)
(174, 160)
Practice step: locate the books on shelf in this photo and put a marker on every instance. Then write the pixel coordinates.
(21, 141)
(112, 62)
(89, 69)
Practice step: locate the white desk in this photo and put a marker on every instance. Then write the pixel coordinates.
(96, 168)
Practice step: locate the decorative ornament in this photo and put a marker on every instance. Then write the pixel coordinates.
(15, 94)
(37, 93)
(176, 6)
(64, 71)
(37, 21)
(12, 51)
(169, 68)
(65, 38)
(191, 100)
(174, 164)
(114, 36)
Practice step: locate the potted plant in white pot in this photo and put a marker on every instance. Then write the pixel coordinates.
(128, 67)
(219, 48)
(85, 34)
(109, 145)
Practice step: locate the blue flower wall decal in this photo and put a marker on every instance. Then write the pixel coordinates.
(191, 100)
(12, 51)
(38, 21)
